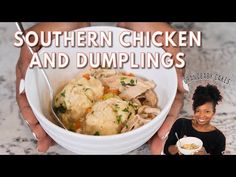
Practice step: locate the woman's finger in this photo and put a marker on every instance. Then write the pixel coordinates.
(44, 144)
(156, 145)
(182, 86)
(26, 110)
(39, 132)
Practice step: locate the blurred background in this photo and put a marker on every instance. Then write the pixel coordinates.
(213, 63)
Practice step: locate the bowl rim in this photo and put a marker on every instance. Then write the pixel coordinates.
(107, 137)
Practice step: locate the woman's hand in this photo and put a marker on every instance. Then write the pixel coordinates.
(202, 151)
(158, 140)
(44, 141)
(173, 149)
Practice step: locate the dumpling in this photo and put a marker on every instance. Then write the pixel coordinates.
(108, 117)
(76, 98)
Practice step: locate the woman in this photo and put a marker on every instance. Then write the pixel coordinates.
(205, 100)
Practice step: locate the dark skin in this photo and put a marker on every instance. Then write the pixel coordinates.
(44, 141)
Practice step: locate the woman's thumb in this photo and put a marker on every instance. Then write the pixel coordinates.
(182, 85)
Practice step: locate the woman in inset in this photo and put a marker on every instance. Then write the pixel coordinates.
(205, 99)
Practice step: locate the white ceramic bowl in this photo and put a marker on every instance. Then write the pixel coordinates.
(37, 94)
(187, 141)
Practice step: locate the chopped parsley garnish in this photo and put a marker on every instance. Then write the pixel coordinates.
(129, 115)
(63, 93)
(133, 105)
(132, 82)
(97, 133)
(126, 110)
(116, 106)
(118, 119)
(60, 109)
(123, 83)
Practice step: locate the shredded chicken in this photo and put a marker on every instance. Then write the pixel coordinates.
(106, 102)
(151, 98)
(134, 123)
(132, 92)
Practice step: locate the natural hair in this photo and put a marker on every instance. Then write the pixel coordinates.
(202, 95)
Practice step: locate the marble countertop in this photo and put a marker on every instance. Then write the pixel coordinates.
(214, 63)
